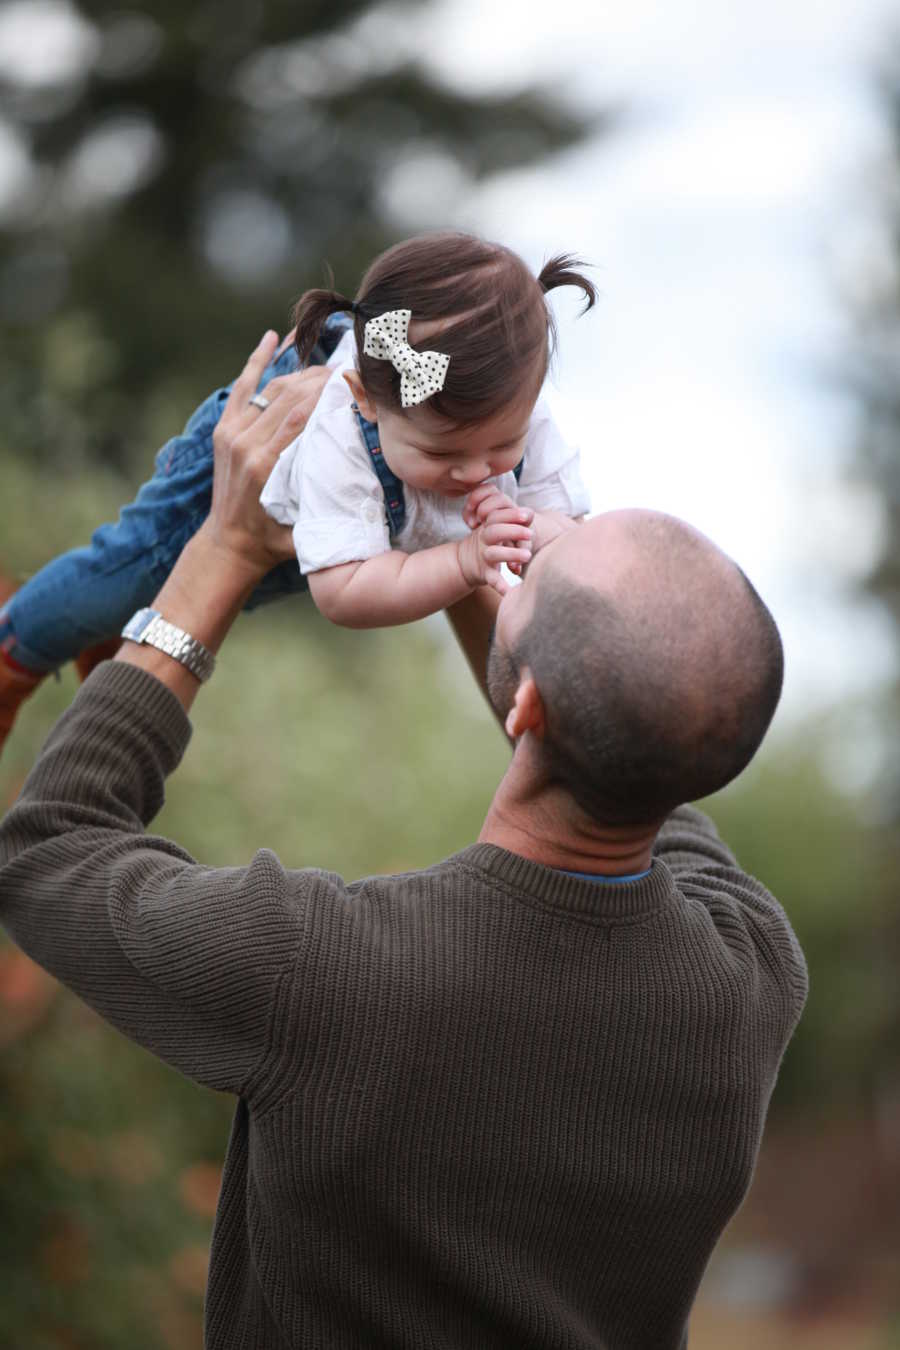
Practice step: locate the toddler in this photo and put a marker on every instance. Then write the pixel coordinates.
(430, 459)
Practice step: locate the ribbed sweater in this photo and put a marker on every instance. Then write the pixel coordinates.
(484, 1105)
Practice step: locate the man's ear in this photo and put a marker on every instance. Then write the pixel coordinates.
(360, 397)
(527, 711)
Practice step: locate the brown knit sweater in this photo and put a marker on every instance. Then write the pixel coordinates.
(484, 1105)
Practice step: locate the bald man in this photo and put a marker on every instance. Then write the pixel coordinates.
(508, 1101)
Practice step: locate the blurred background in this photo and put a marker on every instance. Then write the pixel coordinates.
(171, 178)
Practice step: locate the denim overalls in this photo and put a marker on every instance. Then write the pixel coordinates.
(87, 595)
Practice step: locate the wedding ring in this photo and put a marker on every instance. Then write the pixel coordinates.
(259, 401)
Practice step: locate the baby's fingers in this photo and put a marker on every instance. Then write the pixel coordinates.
(493, 577)
(501, 531)
(506, 553)
(484, 500)
(478, 495)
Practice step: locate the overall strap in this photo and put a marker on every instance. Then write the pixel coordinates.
(394, 501)
(333, 329)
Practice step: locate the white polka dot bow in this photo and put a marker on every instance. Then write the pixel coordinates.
(422, 373)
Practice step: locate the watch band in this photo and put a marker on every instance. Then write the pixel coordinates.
(149, 626)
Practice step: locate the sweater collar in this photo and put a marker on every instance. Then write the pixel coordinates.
(599, 901)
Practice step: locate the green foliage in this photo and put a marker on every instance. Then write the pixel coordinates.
(270, 122)
(873, 296)
(835, 875)
(361, 752)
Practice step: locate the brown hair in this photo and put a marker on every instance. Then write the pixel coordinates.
(493, 320)
(651, 698)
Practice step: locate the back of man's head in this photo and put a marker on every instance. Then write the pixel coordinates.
(658, 676)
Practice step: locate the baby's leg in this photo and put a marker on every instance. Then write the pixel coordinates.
(87, 595)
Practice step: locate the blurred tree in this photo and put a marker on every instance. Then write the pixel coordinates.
(875, 307)
(191, 168)
(183, 172)
(792, 826)
(874, 301)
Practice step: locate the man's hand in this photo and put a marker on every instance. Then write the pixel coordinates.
(246, 442)
(238, 543)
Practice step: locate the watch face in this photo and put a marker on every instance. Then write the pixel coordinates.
(138, 624)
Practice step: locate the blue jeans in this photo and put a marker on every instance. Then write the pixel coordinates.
(89, 594)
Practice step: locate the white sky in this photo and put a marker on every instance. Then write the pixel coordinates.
(720, 218)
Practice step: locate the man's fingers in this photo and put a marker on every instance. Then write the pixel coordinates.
(313, 377)
(244, 386)
(279, 424)
(294, 398)
(255, 437)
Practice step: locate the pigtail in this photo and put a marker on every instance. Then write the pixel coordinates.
(559, 272)
(310, 312)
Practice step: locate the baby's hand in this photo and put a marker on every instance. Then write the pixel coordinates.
(504, 537)
(547, 526)
(483, 503)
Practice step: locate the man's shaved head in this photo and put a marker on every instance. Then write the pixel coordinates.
(658, 665)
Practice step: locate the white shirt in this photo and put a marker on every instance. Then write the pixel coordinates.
(324, 484)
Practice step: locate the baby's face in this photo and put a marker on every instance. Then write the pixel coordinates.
(433, 455)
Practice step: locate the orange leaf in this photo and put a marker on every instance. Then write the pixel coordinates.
(133, 1158)
(64, 1255)
(189, 1268)
(199, 1186)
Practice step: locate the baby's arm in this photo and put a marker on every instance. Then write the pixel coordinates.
(396, 587)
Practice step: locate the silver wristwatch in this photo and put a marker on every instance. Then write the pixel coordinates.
(149, 626)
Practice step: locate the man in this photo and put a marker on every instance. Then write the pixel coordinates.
(508, 1101)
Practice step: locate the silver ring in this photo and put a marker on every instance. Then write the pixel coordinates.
(259, 401)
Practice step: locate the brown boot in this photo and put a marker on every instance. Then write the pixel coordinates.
(16, 684)
(92, 656)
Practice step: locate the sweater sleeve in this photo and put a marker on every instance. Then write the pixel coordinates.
(740, 907)
(184, 959)
(689, 840)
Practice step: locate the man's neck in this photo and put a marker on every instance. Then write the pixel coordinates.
(545, 825)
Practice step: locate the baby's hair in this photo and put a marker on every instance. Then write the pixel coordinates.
(475, 301)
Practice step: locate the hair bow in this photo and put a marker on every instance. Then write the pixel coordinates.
(421, 373)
